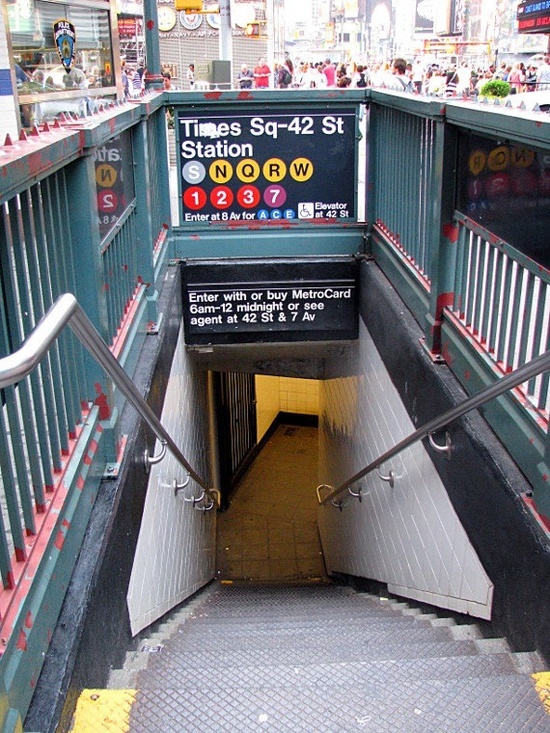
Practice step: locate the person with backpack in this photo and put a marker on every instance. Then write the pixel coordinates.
(361, 77)
(451, 83)
(285, 74)
(399, 80)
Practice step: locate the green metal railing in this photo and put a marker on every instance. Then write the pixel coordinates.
(67, 312)
(503, 300)
(59, 428)
(14, 369)
(119, 259)
(52, 244)
(483, 304)
(404, 174)
(41, 417)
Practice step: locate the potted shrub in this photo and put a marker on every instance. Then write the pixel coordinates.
(495, 88)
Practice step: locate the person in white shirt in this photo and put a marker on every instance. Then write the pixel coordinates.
(191, 76)
(245, 78)
(399, 79)
(317, 79)
(418, 76)
(464, 79)
(302, 77)
(543, 75)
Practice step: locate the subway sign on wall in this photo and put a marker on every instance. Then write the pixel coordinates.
(272, 167)
(258, 301)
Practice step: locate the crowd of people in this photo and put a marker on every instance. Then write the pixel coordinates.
(420, 77)
(133, 79)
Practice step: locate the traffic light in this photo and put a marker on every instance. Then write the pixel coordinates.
(188, 6)
(252, 29)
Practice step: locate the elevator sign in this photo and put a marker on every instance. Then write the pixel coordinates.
(267, 167)
(270, 300)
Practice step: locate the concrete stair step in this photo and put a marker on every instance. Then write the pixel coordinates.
(339, 614)
(272, 611)
(324, 618)
(181, 654)
(398, 672)
(243, 602)
(241, 659)
(239, 595)
(288, 638)
(297, 625)
(384, 650)
(441, 706)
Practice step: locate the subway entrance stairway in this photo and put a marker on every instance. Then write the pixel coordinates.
(274, 645)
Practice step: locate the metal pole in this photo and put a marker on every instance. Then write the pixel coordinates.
(153, 78)
(226, 37)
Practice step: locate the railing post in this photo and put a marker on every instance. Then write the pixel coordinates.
(89, 285)
(145, 181)
(153, 77)
(371, 189)
(541, 492)
(160, 131)
(444, 232)
(84, 228)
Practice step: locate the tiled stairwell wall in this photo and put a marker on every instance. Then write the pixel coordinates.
(175, 554)
(408, 536)
(284, 394)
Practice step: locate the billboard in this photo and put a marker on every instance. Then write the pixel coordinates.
(448, 17)
(424, 19)
(534, 17)
(442, 17)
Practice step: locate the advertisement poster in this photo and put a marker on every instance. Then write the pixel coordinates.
(424, 21)
(533, 17)
(506, 189)
(114, 181)
(267, 166)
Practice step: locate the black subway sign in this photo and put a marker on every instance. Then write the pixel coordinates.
(267, 301)
(275, 167)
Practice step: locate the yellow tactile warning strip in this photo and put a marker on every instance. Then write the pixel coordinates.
(542, 686)
(103, 711)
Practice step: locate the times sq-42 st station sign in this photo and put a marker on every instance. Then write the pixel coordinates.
(267, 167)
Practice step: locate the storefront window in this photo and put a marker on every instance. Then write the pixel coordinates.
(46, 87)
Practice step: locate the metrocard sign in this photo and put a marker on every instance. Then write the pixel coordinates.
(239, 301)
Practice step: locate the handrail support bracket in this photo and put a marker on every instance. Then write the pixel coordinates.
(446, 448)
(150, 460)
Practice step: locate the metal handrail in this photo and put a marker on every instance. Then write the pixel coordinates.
(522, 374)
(67, 311)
